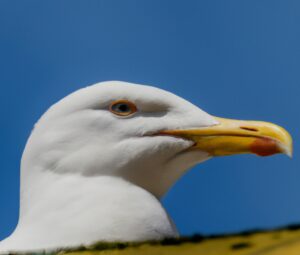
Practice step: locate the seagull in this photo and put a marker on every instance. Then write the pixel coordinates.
(98, 162)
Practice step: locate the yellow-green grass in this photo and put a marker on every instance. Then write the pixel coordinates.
(274, 242)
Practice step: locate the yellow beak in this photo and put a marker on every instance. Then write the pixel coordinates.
(237, 136)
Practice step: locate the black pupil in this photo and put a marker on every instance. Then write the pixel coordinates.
(122, 108)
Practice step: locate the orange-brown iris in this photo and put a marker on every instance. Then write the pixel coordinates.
(123, 107)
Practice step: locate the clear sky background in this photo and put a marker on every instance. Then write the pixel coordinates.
(237, 59)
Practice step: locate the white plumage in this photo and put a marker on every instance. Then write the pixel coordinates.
(89, 175)
(99, 160)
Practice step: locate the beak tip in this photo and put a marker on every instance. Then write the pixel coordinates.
(287, 150)
(289, 153)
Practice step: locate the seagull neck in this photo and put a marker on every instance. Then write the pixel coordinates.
(49, 191)
(83, 210)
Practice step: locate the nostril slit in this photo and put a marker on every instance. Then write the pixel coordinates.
(249, 129)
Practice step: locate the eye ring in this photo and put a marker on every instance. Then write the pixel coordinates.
(122, 108)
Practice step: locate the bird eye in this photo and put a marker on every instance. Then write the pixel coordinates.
(122, 108)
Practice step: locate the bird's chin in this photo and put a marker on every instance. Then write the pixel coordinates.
(184, 152)
(188, 157)
(193, 156)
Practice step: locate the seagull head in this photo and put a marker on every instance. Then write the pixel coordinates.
(142, 134)
(98, 161)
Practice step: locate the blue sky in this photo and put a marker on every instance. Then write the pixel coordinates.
(237, 59)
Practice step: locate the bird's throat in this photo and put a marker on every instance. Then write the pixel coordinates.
(75, 210)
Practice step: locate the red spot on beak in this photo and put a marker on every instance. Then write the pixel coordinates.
(264, 147)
